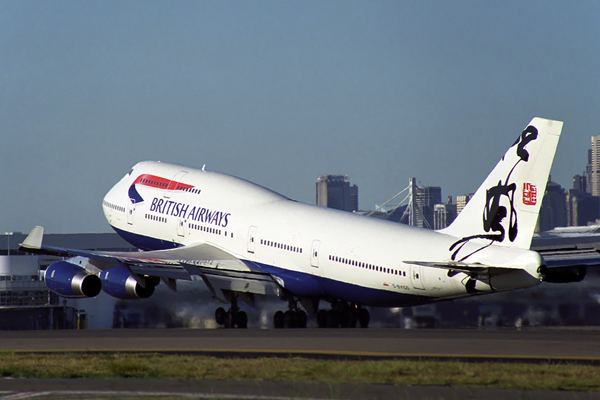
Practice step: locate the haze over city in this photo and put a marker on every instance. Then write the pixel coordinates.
(280, 92)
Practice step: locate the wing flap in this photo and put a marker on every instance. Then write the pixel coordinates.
(254, 285)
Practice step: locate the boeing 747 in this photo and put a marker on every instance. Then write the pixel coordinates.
(245, 240)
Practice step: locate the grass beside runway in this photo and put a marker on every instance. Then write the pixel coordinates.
(540, 376)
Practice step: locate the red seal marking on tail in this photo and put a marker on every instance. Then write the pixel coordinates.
(529, 194)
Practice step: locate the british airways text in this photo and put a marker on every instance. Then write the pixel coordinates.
(199, 214)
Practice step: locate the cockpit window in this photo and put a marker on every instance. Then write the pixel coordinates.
(130, 171)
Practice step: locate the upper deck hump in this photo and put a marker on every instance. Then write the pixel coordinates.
(210, 182)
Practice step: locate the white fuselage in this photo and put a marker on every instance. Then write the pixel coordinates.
(315, 251)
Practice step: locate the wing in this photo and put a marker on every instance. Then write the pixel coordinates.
(219, 269)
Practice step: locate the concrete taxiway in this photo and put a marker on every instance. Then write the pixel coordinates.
(534, 344)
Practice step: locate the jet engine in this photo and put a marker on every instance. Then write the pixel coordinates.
(70, 280)
(118, 282)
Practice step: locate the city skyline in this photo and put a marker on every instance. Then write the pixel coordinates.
(279, 93)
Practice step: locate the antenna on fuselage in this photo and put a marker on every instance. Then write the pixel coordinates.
(204, 166)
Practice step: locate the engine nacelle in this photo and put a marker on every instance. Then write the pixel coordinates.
(70, 280)
(563, 274)
(118, 282)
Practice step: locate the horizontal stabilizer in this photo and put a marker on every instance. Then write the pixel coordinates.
(570, 257)
(453, 265)
(469, 268)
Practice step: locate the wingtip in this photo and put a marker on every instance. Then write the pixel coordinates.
(34, 239)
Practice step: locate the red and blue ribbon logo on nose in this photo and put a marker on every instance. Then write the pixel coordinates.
(156, 182)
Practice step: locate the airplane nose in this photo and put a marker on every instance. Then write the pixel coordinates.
(111, 204)
(106, 208)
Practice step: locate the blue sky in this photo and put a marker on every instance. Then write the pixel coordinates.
(278, 92)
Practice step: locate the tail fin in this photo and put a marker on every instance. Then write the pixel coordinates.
(505, 208)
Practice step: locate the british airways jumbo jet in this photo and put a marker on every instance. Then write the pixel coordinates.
(245, 240)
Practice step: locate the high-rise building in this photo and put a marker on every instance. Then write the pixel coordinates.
(553, 212)
(594, 175)
(583, 200)
(588, 173)
(579, 183)
(424, 199)
(461, 202)
(582, 208)
(334, 191)
(443, 215)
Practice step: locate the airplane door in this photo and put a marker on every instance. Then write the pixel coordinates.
(178, 176)
(416, 276)
(252, 239)
(130, 214)
(314, 254)
(181, 227)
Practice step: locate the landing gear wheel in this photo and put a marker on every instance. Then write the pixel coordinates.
(347, 319)
(220, 315)
(242, 320)
(363, 317)
(229, 320)
(322, 318)
(293, 317)
(333, 319)
(289, 319)
(278, 320)
(301, 319)
(234, 317)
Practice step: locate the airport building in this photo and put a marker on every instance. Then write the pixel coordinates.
(25, 302)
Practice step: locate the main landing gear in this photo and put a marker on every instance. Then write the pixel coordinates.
(234, 317)
(231, 318)
(342, 315)
(294, 317)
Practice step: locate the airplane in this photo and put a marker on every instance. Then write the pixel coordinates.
(245, 240)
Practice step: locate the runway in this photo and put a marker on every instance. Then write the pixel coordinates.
(533, 345)
(525, 345)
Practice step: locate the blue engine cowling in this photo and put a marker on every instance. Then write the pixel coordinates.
(70, 280)
(118, 282)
